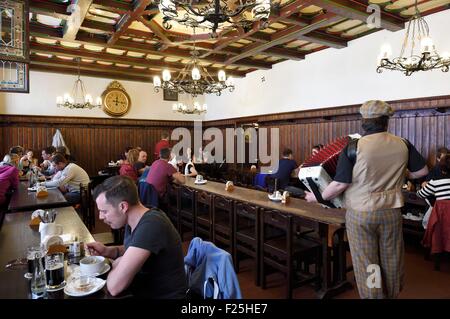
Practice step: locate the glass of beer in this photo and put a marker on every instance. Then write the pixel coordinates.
(54, 271)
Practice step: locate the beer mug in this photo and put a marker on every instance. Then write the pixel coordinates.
(54, 271)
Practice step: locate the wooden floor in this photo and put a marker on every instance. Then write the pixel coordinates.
(421, 281)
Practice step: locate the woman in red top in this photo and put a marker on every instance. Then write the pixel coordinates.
(127, 168)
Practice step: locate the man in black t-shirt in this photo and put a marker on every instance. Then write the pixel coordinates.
(150, 263)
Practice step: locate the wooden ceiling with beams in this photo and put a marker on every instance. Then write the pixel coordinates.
(124, 39)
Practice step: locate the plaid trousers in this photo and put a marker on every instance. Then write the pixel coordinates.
(376, 238)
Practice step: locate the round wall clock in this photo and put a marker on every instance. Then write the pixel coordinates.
(116, 101)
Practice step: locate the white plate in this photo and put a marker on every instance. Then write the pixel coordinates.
(275, 199)
(71, 289)
(33, 189)
(201, 183)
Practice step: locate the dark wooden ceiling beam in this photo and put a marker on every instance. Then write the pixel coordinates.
(114, 58)
(284, 53)
(76, 19)
(91, 66)
(357, 11)
(324, 39)
(173, 52)
(284, 11)
(284, 36)
(54, 10)
(127, 19)
(114, 6)
(98, 74)
(156, 29)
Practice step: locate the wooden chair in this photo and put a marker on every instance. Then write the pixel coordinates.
(247, 239)
(203, 216)
(173, 205)
(223, 230)
(86, 206)
(288, 253)
(187, 211)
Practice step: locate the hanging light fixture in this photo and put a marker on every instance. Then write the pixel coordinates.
(183, 108)
(212, 14)
(194, 79)
(78, 99)
(417, 31)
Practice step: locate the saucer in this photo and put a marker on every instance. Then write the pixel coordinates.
(77, 272)
(201, 182)
(57, 289)
(105, 269)
(72, 290)
(274, 198)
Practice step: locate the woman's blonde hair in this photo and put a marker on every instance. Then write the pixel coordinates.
(133, 156)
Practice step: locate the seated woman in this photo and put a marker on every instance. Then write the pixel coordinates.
(189, 169)
(127, 168)
(437, 189)
(28, 161)
(9, 176)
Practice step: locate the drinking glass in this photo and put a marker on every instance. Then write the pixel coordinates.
(54, 271)
(32, 252)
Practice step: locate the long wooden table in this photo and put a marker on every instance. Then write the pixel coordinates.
(16, 236)
(23, 200)
(325, 217)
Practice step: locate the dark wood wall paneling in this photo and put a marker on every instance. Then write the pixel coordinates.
(424, 122)
(93, 142)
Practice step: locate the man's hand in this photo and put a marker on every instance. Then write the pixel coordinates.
(310, 197)
(96, 249)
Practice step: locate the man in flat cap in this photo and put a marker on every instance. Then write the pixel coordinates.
(371, 172)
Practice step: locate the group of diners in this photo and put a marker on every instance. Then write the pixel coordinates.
(57, 166)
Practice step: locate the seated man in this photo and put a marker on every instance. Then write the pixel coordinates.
(46, 166)
(151, 262)
(287, 167)
(436, 171)
(163, 172)
(69, 179)
(141, 163)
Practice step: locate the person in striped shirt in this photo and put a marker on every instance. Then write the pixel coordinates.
(438, 189)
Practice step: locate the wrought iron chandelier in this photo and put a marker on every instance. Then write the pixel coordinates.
(183, 108)
(194, 79)
(78, 99)
(428, 59)
(212, 14)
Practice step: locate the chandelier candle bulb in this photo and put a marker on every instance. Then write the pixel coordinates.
(221, 76)
(427, 45)
(166, 75)
(156, 81)
(195, 74)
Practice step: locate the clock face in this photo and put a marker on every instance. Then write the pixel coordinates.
(116, 102)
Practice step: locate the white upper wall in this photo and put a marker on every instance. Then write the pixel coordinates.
(334, 77)
(45, 87)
